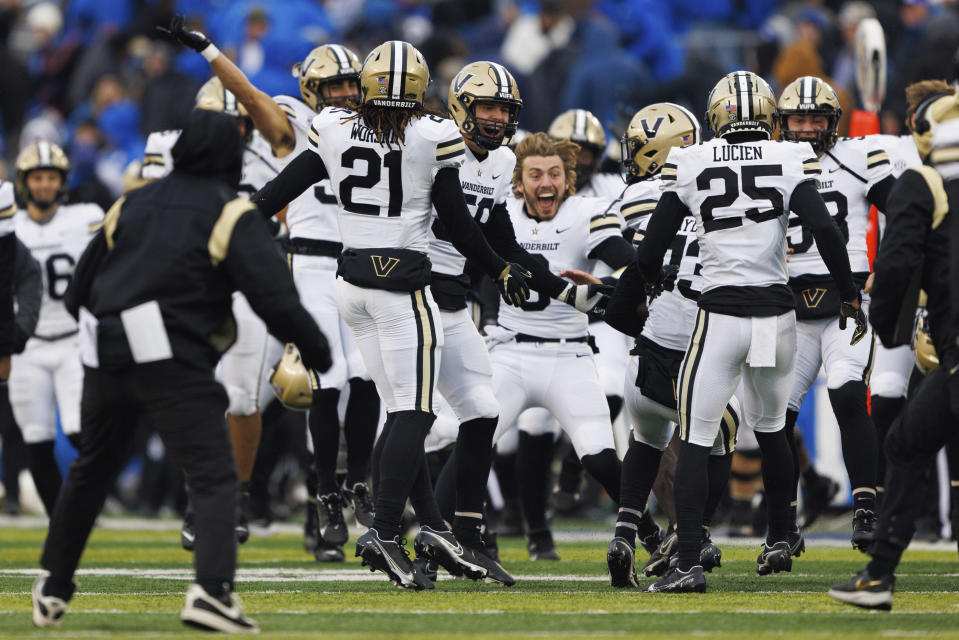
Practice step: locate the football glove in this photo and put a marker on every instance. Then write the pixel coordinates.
(666, 281)
(849, 312)
(586, 297)
(187, 37)
(512, 286)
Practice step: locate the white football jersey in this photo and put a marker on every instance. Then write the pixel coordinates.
(57, 244)
(383, 190)
(313, 213)
(603, 185)
(259, 164)
(564, 242)
(672, 315)
(849, 170)
(738, 194)
(486, 183)
(8, 208)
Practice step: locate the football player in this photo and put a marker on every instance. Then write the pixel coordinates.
(654, 366)
(740, 187)
(47, 376)
(329, 75)
(856, 173)
(388, 161)
(240, 368)
(484, 101)
(541, 351)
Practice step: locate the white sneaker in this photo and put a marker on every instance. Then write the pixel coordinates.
(206, 612)
(47, 610)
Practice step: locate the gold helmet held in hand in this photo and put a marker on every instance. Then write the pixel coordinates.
(41, 155)
(652, 132)
(328, 63)
(213, 96)
(810, 96)
(741, 102)
(932, 112)
(394, 75)
(484, 82)
(926, 356)
(292, 382)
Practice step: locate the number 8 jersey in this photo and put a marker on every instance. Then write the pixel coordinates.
(739, 194)
(383, 189)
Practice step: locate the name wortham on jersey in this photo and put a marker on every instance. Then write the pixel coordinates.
(364, 134)
(735, 152)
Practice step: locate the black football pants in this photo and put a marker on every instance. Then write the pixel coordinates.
(188, 408)
(925, 425)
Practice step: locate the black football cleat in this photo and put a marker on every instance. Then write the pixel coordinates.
(427, 567)
(863, 590)
(620, 561)
(390, 557)
(774, 558)
(333, 529)
(710, 556)
(47, 610)
(242, 527)
(494, 570)
(650, 534)
(443, 548)
(188, 530)
(658, 562)
(311, 528)
(817, 497)
(328, 553)
(541, 546)
(797, 542)
(676, 581)
(361, 501)
(215, 614)
(863, 527)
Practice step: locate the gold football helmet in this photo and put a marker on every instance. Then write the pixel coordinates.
(394, 75)
(213, 96)
(41, 155)
(741, 101)
(926, 356)
(583, 128)
(809, 95)
(292, 382)
(933, 111)
(484, 82)
(133, 176)
(652, 132)
(326, 64)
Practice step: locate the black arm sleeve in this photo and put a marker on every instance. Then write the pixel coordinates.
(502, 237)
(901, 252)
(258, 270)
(465, 234)
(305, 170)
(8, 252)
(28, 291)
(878, 196)
(78, 291)
(617, 252)
(812, 212)
(627, 299)
(662, 228)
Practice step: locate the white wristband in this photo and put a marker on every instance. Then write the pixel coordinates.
(210, 52)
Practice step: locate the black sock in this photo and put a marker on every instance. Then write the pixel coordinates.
(885, 559)
(858, 434)
(718, 469)
(325, 431)
(422, 499)
(469, 531)
(534, 458)
(46, 473)
(474, 456)
(778, 481)
(378, 450)
(400, 461)
(884, 413)
(607, 469)
(505, 467)
(615, 406)
(445, 488)
(640, 466)
(362, 414)
(790, 431)
(864, 499)
(691, 489)
(570, 473)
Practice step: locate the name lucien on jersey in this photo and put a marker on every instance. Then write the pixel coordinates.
(731, 152)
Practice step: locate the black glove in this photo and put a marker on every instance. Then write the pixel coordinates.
(512, 286)
(587, 297)
(847, 311)
(666, 281)
(316, 354)
(187, 37)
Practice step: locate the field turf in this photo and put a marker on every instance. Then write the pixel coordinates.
(133, 579)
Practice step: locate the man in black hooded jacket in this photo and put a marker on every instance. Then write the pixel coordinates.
(153, 294)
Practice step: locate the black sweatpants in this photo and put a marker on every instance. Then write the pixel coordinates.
(187, 407)
(925, 425)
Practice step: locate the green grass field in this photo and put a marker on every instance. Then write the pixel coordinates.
(132, 583)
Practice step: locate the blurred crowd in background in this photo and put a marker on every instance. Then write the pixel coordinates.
(96, 77)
